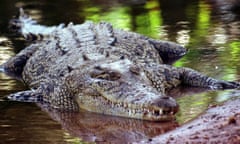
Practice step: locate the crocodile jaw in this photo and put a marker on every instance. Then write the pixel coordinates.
(143, 111)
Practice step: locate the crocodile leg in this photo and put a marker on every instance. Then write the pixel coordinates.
(194, 78)
(26, 96)
(15, 65)
(47, 94)
(169, 51)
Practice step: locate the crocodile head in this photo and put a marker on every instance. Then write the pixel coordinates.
(119, 88)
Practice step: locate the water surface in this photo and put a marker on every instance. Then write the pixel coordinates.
(210, 30)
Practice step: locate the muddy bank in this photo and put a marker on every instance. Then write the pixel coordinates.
(220, 124)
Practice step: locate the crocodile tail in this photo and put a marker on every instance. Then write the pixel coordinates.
(29, 28)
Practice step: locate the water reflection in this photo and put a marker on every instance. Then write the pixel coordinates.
(104, 129)
(210, 29)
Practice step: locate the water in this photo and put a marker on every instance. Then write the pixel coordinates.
(209, 30)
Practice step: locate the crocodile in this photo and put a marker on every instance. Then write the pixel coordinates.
(95, 67)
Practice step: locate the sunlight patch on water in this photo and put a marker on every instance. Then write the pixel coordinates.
(6, 52)
(226, 95)
(70, 139)
(218, 36)
(5, 49)
(8, 84)
(2, 39)
(183, 37)
(5, 126)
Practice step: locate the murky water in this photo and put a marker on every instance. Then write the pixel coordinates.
(208, 28)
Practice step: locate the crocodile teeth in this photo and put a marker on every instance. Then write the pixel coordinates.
(129, 112)
(134, 111)
(160, 111)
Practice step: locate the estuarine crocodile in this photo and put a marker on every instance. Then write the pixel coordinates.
(101, 69)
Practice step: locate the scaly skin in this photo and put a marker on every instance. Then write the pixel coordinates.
(101, 69)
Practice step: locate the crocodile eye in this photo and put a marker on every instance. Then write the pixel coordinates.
(135, 70)
(105, 74)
